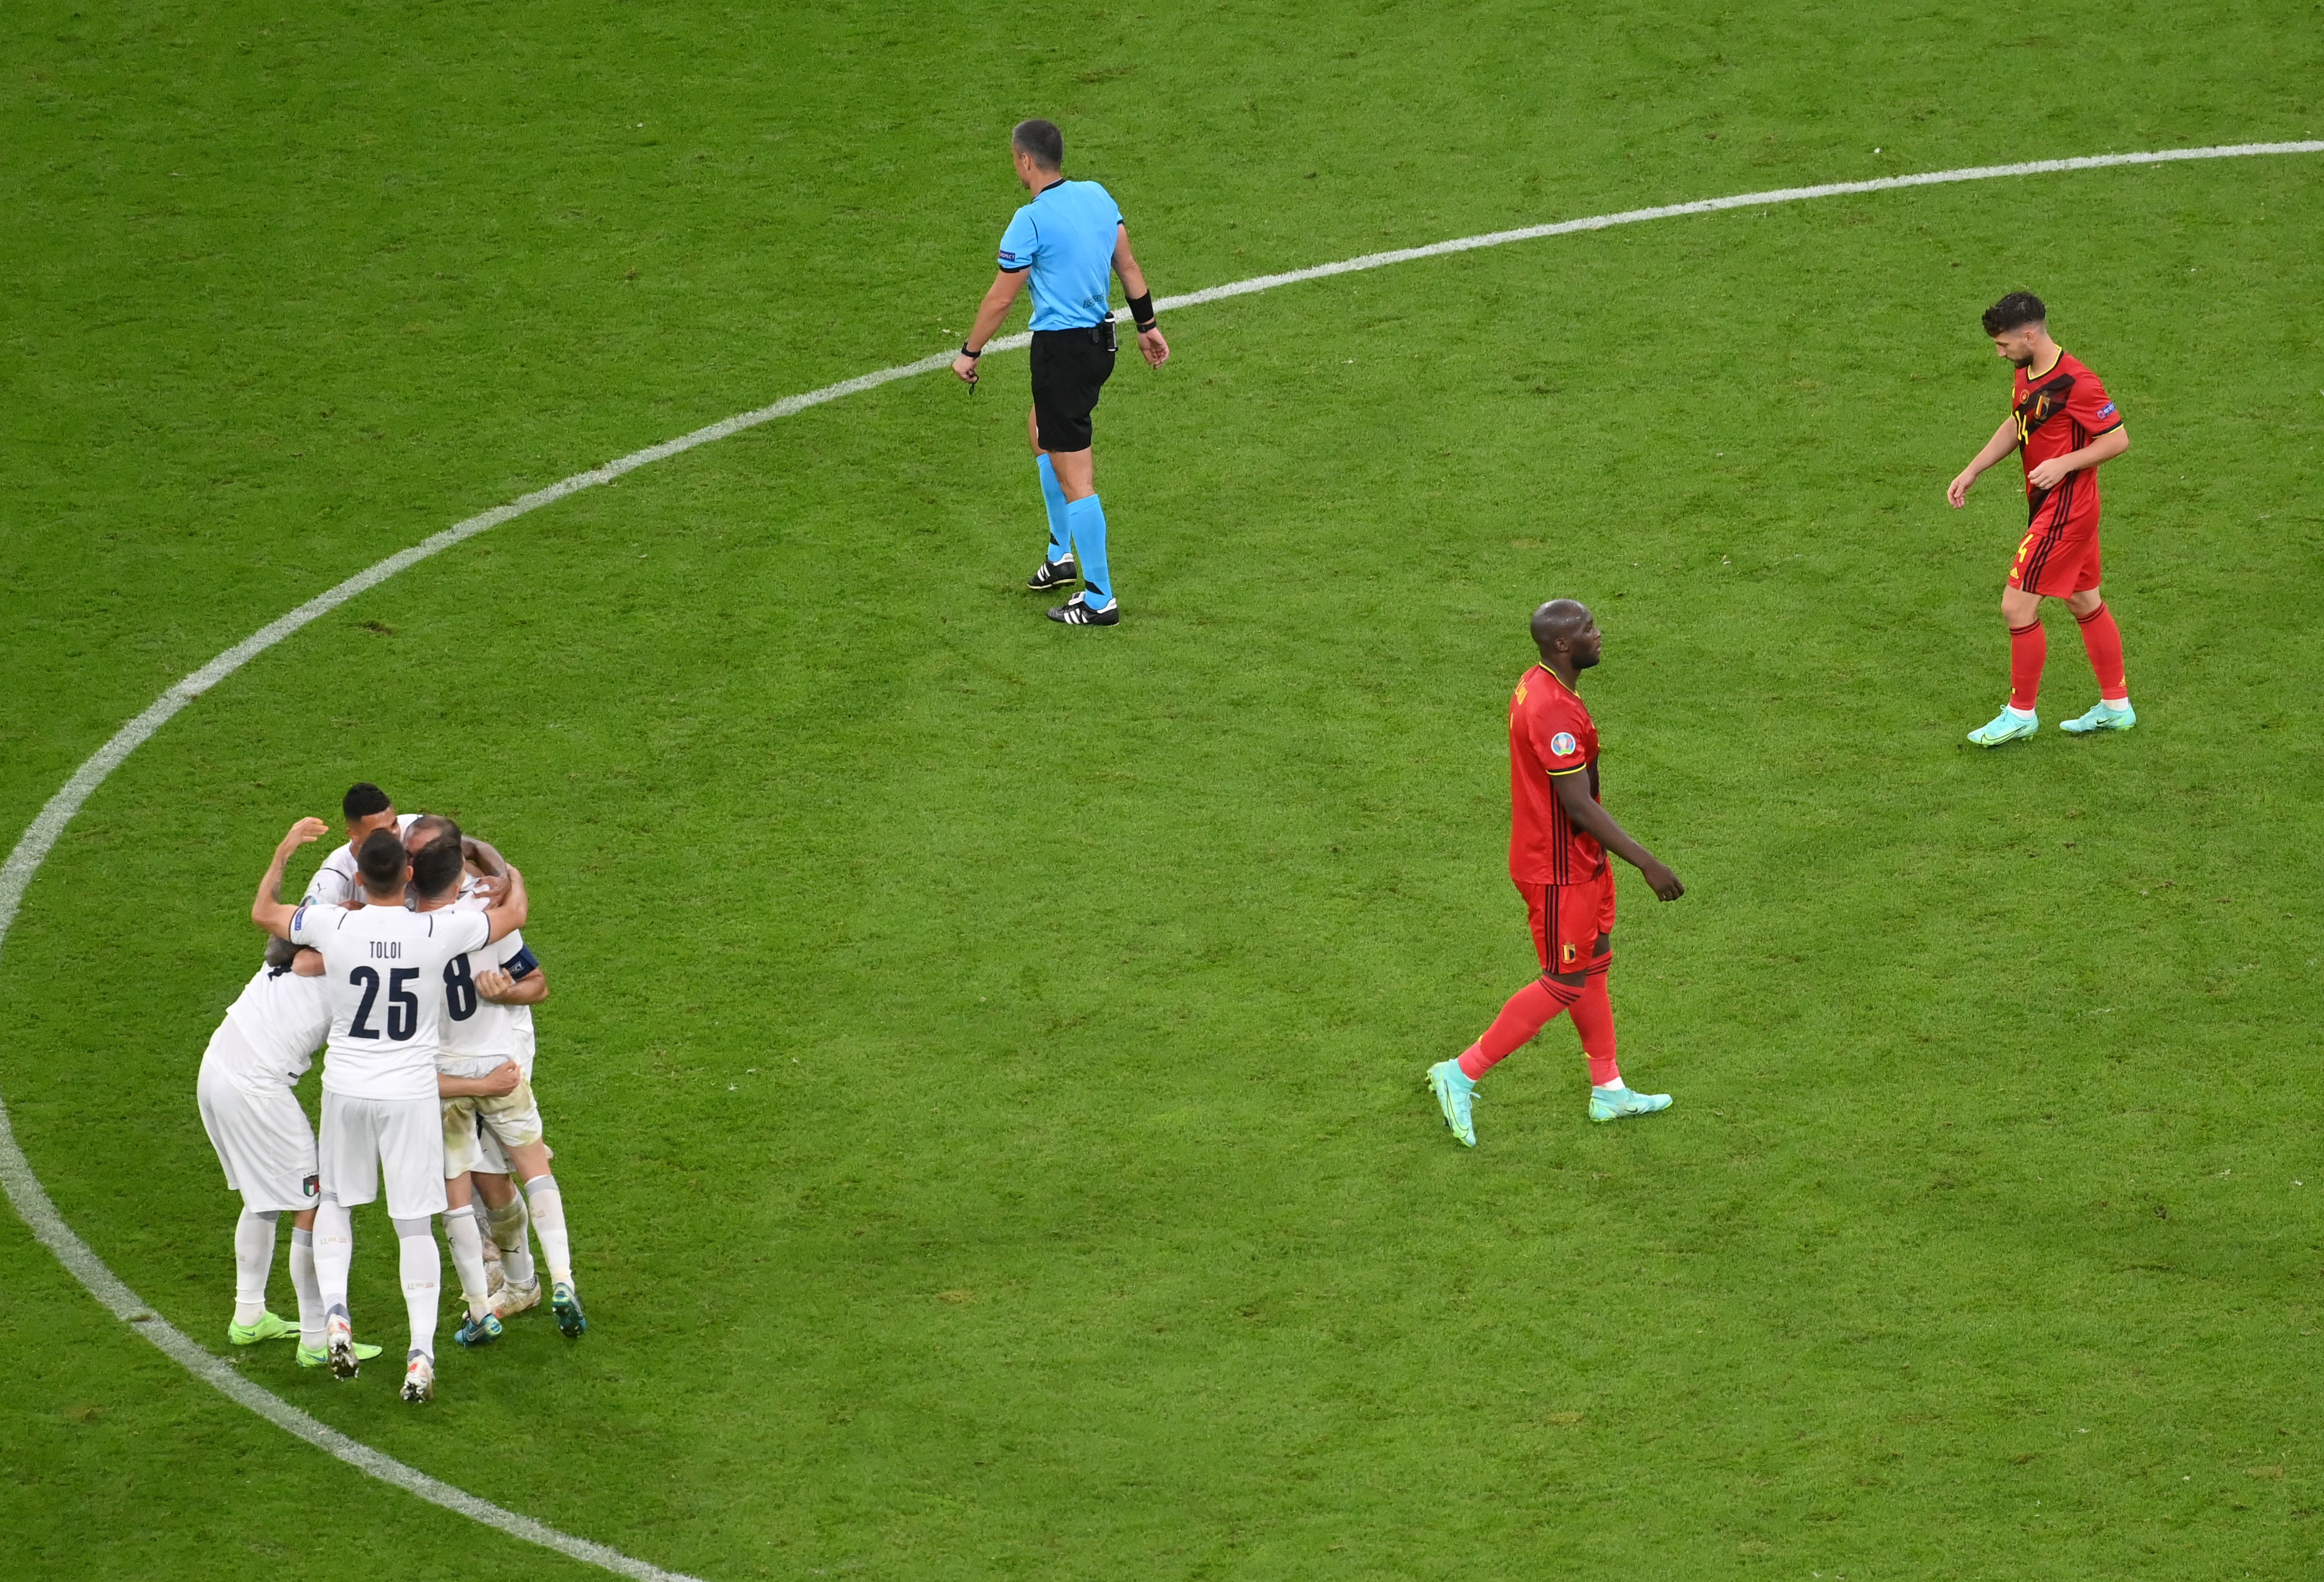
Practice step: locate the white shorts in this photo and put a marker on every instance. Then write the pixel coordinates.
(472, 1126)
(491, 1161)
(260, 1132)
(403, 1137)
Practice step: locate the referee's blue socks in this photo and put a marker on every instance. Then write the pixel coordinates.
(1086, 518)
(1053, 496)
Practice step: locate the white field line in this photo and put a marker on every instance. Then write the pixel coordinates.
(32, 1201)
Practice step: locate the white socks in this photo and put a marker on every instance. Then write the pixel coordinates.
(422, 1268)
(548, 1223)
(310, 1294)
(468, 1259)
(508, 1223)
(254, 1260)
(334, 1253)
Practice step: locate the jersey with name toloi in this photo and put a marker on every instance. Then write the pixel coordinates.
(385, 968)
(1066, 236)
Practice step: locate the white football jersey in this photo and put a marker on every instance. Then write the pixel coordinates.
(479, 1034)
(385, 968)
(336, 883)
(283, 1019)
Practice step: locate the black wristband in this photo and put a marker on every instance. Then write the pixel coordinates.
(965, 352)
(1141, 311)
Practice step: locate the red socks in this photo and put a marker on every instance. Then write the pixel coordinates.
(2028, 648)
(1531, 1008)
(1528, 1011)
(1593, 1018)
(2103, 638)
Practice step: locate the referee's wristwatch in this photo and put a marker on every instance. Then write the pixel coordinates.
(966, 351)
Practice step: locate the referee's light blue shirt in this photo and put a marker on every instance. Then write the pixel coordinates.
(1066, 238)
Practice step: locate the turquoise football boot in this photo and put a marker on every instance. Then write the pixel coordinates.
(474, 1332)
(1613, 1104)
(2006, 726)
(1455, 1092)
(2105, 717)
(317, 1356)
(571, 1322)
(267, 1327)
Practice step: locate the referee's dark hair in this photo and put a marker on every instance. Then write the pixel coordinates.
(1041, 141)
(364, 799)
(2016, 311)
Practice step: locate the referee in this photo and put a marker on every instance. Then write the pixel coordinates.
(1069, 241)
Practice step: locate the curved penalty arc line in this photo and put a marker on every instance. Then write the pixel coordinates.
(31, 1199)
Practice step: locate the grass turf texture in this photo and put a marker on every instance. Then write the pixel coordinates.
(985, 1058)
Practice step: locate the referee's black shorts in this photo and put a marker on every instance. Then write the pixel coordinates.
(1070, 367)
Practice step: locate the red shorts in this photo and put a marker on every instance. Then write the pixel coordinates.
(2054, 562)
(1567, 920)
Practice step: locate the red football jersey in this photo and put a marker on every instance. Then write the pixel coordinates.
(1550, 733)
(2062, 411)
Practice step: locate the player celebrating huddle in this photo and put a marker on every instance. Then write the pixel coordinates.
(250, 1109)
(1559, 836)
(485, 1078)
(2063, 425)
(382, 962)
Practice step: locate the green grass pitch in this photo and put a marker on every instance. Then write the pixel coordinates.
(985, 1059)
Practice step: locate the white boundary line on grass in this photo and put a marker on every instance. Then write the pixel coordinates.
(32, 1200)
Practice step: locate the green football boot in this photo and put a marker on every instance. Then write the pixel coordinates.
(267, 1327)
(571, 1322)
(2008, 725)
(2105, 717)
(1455, 1092)
(317, 1356)
(1613, 1104)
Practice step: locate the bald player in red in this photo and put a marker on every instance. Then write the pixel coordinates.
(1559, 836)
(2063, 426)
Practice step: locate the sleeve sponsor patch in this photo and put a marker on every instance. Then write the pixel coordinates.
(1562, 743)
(2106, 410)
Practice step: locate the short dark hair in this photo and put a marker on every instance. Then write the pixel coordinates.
(428, 828)
(437, 867)
(2016, 311)
(1042, 141)
(364, 799)
(381, 859)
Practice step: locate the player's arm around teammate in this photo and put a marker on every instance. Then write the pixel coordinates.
(1067, 243)
(503, 990)
(2065, 427)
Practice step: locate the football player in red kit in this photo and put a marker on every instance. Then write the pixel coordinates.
(1559, 836)
(2063, 424)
